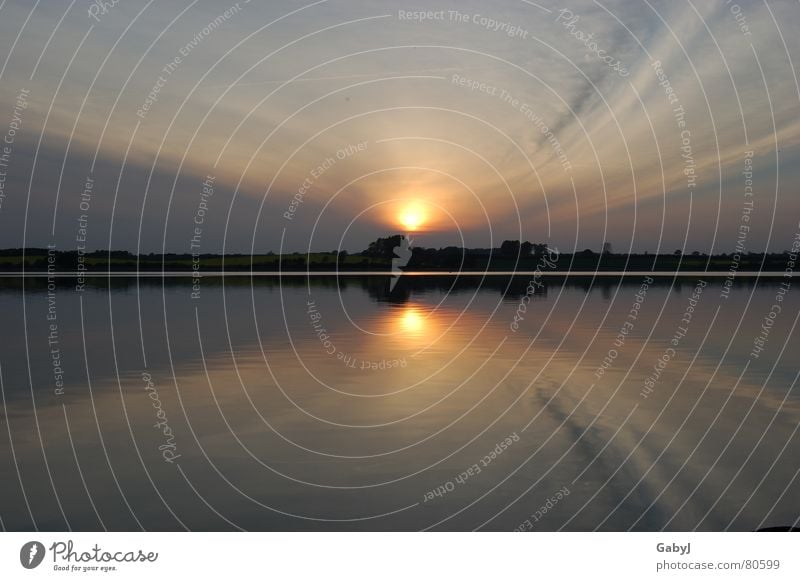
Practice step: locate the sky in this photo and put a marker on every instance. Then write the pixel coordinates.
(198, 126)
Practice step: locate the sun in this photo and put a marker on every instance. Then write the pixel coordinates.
(412, 217)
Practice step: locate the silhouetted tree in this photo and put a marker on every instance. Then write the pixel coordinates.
(383, 247)
(510, 248)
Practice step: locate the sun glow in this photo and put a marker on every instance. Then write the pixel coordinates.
(412, 217)
(412, 321)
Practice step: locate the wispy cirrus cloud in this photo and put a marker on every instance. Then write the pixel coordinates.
(273, 91)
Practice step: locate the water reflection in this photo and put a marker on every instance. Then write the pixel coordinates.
(321, 403)
(412, 322)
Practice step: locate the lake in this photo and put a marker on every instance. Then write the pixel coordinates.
(445, 403)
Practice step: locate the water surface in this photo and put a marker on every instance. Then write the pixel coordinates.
(327, 403)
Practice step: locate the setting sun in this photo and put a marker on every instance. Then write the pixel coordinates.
(412, 217)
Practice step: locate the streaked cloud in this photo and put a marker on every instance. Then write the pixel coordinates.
(261, 96)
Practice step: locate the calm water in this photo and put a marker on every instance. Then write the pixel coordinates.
(287, 403)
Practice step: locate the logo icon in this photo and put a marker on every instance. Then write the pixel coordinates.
(31, 554)
(401, 256)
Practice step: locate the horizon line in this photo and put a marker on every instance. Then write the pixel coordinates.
(244, 273)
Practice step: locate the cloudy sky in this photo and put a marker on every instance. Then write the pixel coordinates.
(321, 124)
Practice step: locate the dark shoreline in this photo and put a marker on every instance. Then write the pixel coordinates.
(442, 261)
